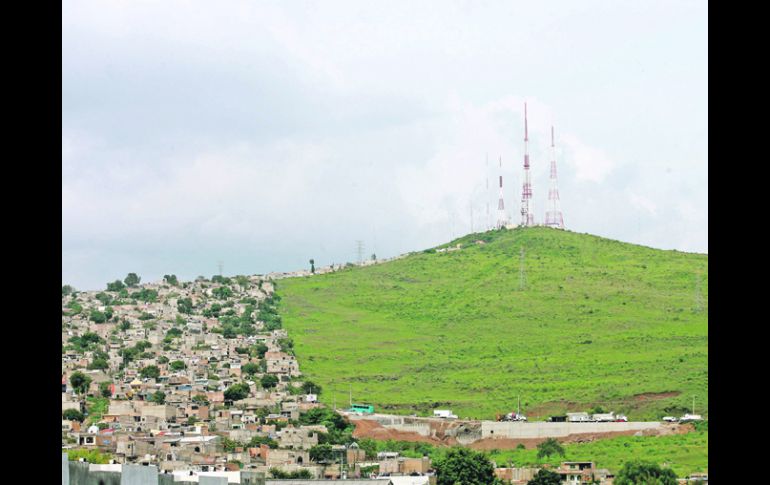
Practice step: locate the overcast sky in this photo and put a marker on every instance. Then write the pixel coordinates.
(262, 134)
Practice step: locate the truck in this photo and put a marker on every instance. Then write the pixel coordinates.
(603, 417)
(690, 417)
(578, 418)
(621, 418)
(511, 417)
(444, 414)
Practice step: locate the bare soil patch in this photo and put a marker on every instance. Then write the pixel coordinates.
(649, 396)
(372, 429)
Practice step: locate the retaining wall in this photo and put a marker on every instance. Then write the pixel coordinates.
(494, 429)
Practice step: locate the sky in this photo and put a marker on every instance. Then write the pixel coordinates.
(261, 134)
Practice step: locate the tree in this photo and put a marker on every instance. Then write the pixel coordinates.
(647, 473)
(184, 305)
(178, 365)
(200, 399)
(310, 387)
(463, 465)
(105, 389)
(369, 446)
(545, 477)
(66, 290)
(97, 317)
(171, 279)
(322, 453)
(80, 382)
(230, 445)
(73, 415)
(222, 292)
(550, 447)
(312, 266)
(151, 372)
(159, 397)
(103, 297)
(88, 340)
(260, 349)
(374, 257)
(250, 368)
(256, 441)
(268, 381)
(98, 363)
(145, 294)
(236, 392)
(116, 285)
(279, 474)
(124, 325)
(132, 280)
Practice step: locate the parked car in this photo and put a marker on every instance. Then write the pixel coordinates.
(670, 419)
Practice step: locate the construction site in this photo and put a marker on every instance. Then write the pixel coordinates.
(487, 435)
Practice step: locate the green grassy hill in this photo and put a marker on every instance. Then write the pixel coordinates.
(598, 323)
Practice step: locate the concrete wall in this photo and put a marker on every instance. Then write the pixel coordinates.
(139, 475)
(65, 470)
(493, 429)
(212, 480)
(81, 473)
(420, 428)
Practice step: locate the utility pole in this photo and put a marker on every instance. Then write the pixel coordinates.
(360, 251)
(220, 265)
(489, 225)
(698, 293)
(522, 273)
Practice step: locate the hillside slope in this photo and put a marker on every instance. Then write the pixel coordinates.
(598, 323)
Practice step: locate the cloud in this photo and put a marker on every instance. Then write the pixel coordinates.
(591, 164)
(643, 203)
(264, 134)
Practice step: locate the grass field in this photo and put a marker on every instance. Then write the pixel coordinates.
(685, 454)
(597, 323)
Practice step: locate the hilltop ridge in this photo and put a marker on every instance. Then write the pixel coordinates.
(586, 322)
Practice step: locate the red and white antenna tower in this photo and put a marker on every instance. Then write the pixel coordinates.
(502, 217)
(553, 216)
(527, 215)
